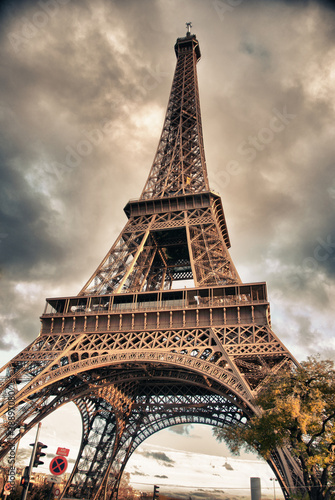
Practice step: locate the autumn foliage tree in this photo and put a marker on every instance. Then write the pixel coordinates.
(297, 411)
(126, 492)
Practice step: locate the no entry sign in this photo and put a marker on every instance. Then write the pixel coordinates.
(58, 466)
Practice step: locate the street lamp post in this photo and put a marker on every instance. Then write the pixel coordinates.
(274, 487)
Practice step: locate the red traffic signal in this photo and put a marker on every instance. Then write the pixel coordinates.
(23, 481)
(25, 478)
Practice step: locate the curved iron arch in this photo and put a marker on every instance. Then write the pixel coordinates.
(132, 369)
(147, 418)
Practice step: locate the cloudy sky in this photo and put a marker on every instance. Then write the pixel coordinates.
(84, 88)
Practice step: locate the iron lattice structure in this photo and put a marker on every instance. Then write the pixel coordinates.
(133, 352)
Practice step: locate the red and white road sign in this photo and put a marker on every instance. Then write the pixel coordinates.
(56, 492)
(62, 452)
(58, 466)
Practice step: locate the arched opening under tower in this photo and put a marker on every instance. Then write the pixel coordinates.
(186, 460)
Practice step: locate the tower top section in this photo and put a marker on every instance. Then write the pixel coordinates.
(187, 43)
(179, 167)
(177, 230)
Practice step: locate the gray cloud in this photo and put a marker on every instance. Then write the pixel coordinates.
(182, 429)
(138, 473)
(160, 456)
(228, 466)
(83, 96)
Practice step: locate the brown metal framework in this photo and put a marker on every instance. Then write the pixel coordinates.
(136, 354)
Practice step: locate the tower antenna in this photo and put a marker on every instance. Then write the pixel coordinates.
(189, 26)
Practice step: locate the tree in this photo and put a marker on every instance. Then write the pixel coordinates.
(126, 492)
(40, 492)
(297, 410)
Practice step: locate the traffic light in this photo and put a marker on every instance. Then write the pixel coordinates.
(156, 493)
(24, 481)
(39, 453)
(25, 478)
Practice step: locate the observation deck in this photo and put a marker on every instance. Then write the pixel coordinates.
(194, 307)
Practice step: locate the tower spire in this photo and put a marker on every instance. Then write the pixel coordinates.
(188, 27)
(176, 230)
(179, 166)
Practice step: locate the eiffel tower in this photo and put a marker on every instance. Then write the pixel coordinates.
(134, 351)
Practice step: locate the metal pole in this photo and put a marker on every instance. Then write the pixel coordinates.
(50, 492)
(25, 487)
(274, 487)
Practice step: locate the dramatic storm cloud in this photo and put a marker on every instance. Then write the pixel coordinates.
(82, 101)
